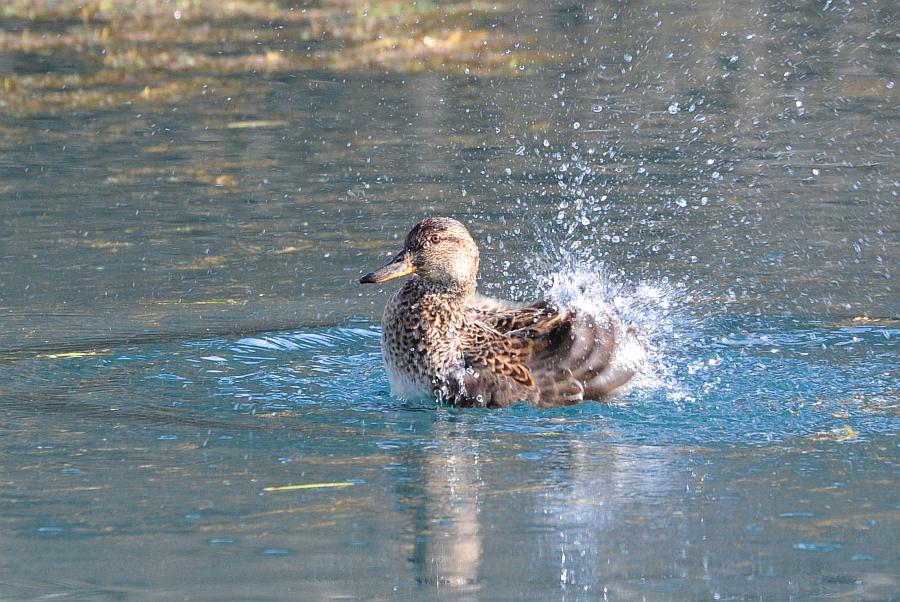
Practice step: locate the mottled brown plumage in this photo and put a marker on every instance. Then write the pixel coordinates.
(441, 339)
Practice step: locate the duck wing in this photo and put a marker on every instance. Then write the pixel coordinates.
(576, 358)
(542, 355)
(503, 315)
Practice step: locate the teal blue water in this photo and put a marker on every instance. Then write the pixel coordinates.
(192, 402)
(751, 381)
(757, 465)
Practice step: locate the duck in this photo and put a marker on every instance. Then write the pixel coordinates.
(443, 340)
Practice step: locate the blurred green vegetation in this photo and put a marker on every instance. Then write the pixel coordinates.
(121, 51)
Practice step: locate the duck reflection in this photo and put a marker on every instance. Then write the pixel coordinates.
(556, 507)
(447, 548)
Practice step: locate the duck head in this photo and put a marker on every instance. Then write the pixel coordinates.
(440, 251)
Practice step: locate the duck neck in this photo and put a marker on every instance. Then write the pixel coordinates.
(451, 292)
(450, 297)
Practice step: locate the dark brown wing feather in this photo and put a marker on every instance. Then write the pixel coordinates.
(541, 355)
(576, 363)
(504, 316)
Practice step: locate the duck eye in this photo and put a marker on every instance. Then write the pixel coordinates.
(435, 239)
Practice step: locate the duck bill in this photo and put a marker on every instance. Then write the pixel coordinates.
(401, 265)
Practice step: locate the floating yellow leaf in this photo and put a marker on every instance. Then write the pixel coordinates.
(225, 180)
(288, 249)
(206, 302)
(845, 434)
(260, 123)
(68, 354)
(308, 486)
(216, 302)
(841, 434)
(109, 245)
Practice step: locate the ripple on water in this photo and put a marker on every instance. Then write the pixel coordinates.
(727, 379)
(719, 379)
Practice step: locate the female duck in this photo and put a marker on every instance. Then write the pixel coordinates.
(440, 339)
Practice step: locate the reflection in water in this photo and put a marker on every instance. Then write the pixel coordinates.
(448, 544)
(584, 491)
(589, 520)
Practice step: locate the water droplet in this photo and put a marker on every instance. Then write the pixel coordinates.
(576, 125)
(628, 58)
(815, 172)
(597, 108)
(674, 108)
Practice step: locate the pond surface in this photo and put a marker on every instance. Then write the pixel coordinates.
(190, 378)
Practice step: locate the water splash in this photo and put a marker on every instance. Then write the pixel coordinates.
(581, 260)
(656, 310)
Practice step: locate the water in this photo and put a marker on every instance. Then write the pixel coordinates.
(191, 383)
(762, 472)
